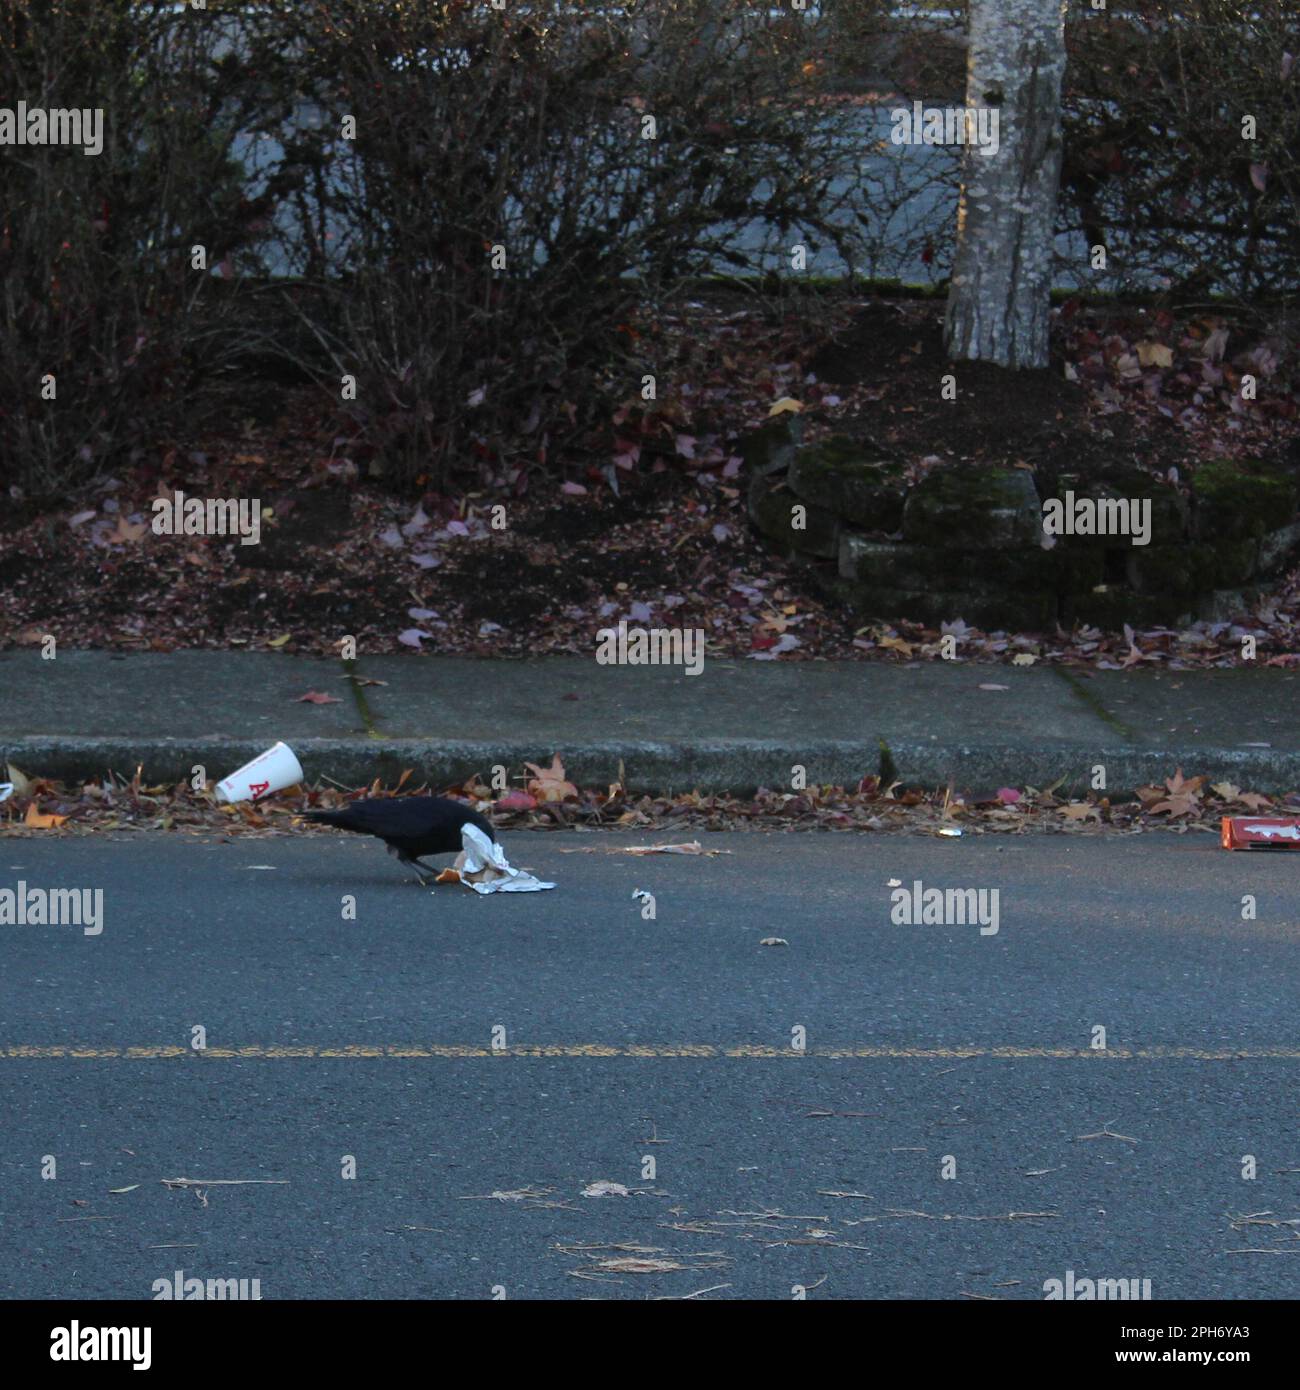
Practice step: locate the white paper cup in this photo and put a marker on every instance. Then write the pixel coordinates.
(269, 772)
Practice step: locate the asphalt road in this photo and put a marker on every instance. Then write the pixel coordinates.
(627, 1039)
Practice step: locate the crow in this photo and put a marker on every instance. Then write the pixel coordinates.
(411, 826)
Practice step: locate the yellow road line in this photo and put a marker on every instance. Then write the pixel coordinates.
(445, 1051)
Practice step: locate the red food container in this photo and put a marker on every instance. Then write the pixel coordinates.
(1260, 832)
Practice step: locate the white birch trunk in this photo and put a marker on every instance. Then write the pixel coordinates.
(999, 296)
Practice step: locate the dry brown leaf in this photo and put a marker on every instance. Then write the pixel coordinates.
(1154, 354)
(548, 783)
(896, 644)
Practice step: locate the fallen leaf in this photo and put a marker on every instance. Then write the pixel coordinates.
(1154, 355)
(314, 697)
(784, 405)
(548, 784)
(127, 532)
(34, 820)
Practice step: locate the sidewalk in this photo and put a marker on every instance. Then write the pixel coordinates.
(738, 725)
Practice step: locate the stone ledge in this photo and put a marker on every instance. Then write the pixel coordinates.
(968, 542)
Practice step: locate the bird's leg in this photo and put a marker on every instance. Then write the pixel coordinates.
(419, 868)
(432, 871)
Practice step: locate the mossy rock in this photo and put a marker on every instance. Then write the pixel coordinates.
(993, 611)
(772, 512)
(771, 448)
(854, 479)
(1239, 500)
(1168, 511)
(1227, 605)
(1110, 606)
(1277, 548)
(975, 508)
(1080, 570)
(897, 565)
(1172, 571)
(1230, 562)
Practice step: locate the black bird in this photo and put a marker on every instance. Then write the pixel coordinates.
(411, 826)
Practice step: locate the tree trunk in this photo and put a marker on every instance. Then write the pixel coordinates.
(1001, 280)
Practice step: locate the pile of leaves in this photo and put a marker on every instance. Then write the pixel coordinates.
(547, 800)
(642, 517)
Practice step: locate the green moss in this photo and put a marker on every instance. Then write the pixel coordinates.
(1011, 610)
(1240, 500)
(852, 478)
(1113, 605)
(980, 508)
(772, 446)
(1169, 510)
(772, 512)
(903, 566)
(1080, 570)
(1170, 571)
(1229, 562)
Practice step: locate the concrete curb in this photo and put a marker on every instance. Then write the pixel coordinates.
(734, 765)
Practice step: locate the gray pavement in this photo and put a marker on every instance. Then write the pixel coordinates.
(738, 725)
(671, 1038)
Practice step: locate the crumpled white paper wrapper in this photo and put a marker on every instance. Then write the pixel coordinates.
(482, 866)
